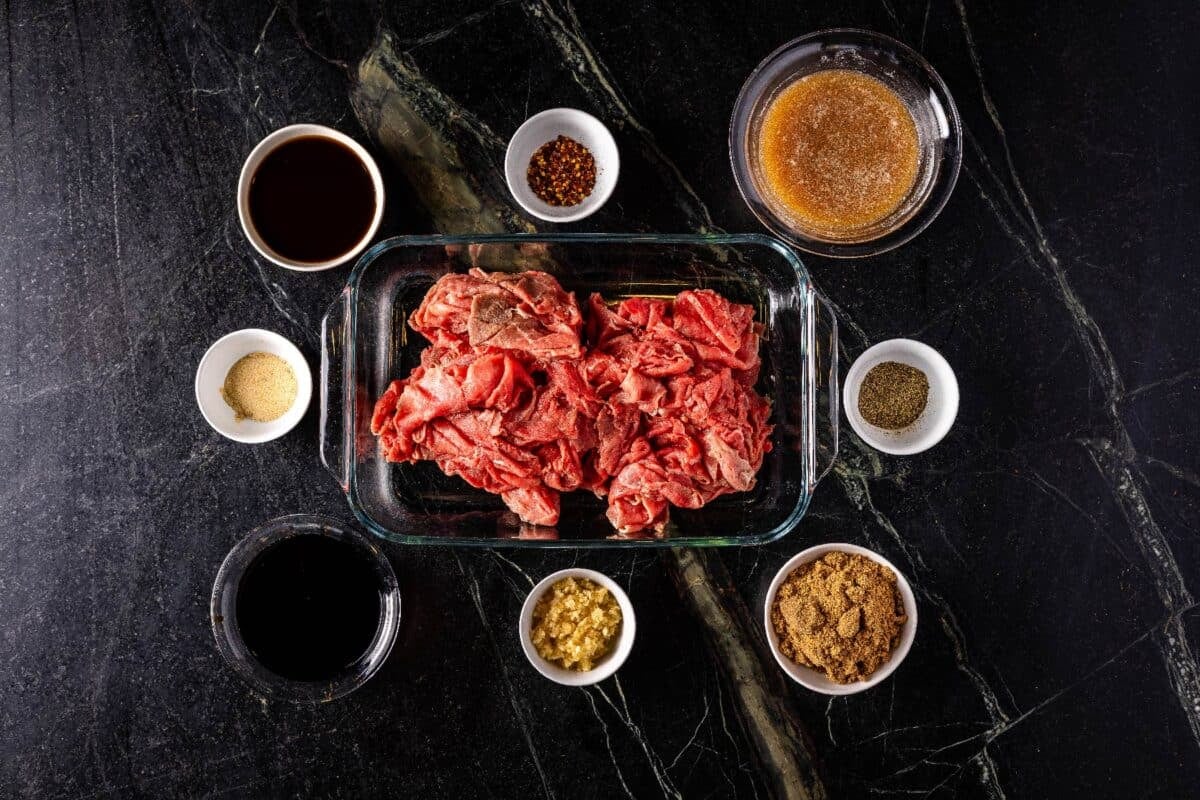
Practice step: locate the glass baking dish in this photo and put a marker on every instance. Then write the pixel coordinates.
(366, 343)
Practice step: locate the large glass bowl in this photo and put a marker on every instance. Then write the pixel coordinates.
(367, 343)
(902, 70)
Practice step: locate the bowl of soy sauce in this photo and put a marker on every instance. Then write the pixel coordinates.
(305, 609)
(310, 198)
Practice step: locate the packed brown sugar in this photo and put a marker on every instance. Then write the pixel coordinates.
(839, 151)
(840, 615)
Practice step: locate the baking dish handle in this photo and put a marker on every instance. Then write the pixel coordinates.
(335, 391)
(824, 410)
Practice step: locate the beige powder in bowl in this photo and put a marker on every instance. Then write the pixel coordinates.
(260, 387)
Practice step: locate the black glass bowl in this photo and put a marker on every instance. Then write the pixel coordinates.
(229, 638)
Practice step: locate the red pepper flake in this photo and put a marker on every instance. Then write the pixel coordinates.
(562, 172)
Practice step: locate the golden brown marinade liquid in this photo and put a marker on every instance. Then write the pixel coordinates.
(839, 151)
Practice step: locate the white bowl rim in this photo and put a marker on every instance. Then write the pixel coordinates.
(947, 413)
(593, 202)
(611, 663)
(269, 143)
(810, 678)
(276, 428)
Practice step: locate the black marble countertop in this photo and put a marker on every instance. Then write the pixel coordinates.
(1051, 539)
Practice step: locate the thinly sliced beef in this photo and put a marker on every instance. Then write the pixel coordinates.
(641, 391)
(468, 445)
(447, 306)
(603, 323)
(528, 312)
(705, 316)
(497, 380)
(656, 407)
(722, 332)
(617, 429)
(635, 498)
(537, 505)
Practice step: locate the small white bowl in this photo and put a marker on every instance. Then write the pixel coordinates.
(545, 127)
(215, 365)
(261, 151)
(810, 678)
(940, 410)
(610, 663)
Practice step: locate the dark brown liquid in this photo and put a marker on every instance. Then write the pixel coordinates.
(312, 199)
(309, 607)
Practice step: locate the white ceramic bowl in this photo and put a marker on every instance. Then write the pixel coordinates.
(545, 127)
(260, 151)
(810, 678)
(610, 663)
(940, 410)
(215, 365)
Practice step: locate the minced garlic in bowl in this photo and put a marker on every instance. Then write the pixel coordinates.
(576, 623)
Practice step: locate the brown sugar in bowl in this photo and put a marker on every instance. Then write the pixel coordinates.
(813, 679)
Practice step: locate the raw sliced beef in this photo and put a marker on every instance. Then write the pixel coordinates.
(688, 368)
(654, 407)
(527, 312)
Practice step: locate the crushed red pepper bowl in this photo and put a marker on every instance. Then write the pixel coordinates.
(546, 127)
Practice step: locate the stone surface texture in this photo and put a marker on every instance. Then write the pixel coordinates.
(1051, 538)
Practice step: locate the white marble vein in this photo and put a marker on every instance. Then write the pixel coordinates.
(829, 721)
(924, 25)
(1175, 471)
(1161, 383)
(1172, 640)
(987, 776)
(732, 741)
(262, 34)
(118, 273)
(652, 758)
(691, 739)
(563, 29)
(499, 556)
(434, 37)
(1115, 459)
(858, 492)
(519, 711)
(608, 742)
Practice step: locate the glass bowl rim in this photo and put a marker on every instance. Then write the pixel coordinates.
(925, 213)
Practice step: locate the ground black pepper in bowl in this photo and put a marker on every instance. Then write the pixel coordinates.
(562, 172)
(893, 395)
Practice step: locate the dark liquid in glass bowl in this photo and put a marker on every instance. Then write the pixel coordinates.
(312, 199)
(308, 607)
